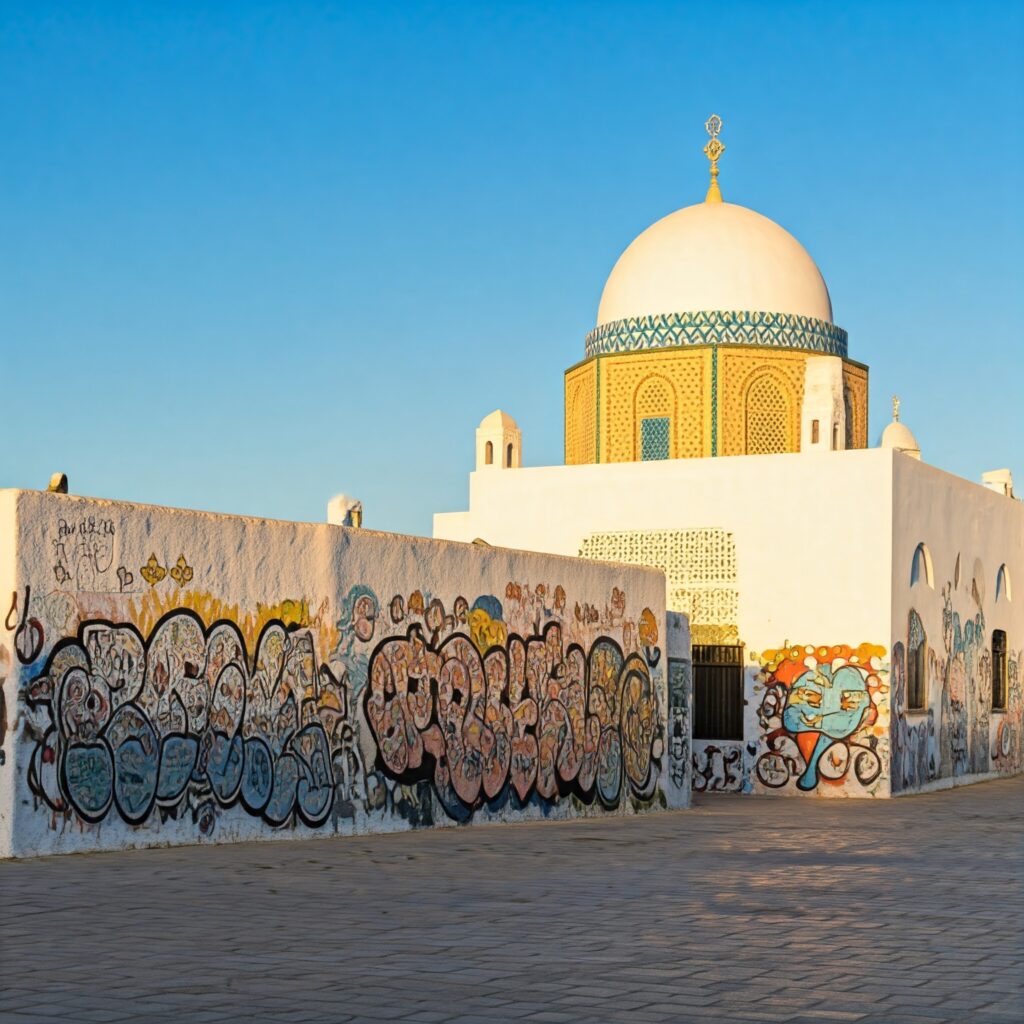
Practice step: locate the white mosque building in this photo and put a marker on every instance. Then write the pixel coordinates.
(173, 676)
(854, 626)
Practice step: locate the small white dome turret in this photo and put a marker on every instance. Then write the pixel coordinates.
(899, 436)
(499, 442)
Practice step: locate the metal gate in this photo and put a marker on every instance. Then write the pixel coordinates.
(717, 692)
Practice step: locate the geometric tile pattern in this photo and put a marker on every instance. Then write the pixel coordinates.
(767, 417)
(641, 385)
(718, 327)
(855, 395)
(581, 414)
(654, 438)
(714, 401)
(743, 428)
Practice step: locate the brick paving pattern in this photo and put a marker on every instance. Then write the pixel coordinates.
(806, 911)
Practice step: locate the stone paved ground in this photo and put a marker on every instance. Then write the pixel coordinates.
(741, 910)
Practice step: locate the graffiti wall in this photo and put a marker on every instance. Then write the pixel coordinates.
(679, 780)
(177, 677)
(822, 720)
(954, 733)
(816, 722)
(718, 767)
(957, 631)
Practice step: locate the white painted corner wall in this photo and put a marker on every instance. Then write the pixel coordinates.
(812, 538)
(949, 606)
(177, 677)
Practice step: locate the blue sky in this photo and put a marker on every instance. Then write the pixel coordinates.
(255, 254)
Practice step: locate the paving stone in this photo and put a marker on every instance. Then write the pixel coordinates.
(797, 911)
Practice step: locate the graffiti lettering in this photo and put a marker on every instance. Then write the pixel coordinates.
(532, 714)
(135, 725)
(718, 768)
(84, 550)
(197, 711)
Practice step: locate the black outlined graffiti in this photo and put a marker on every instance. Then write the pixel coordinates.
(527, 716)
(135, 725)
(28, 633)
(83, 551)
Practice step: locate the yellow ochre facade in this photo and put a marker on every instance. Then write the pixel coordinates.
(749, 404)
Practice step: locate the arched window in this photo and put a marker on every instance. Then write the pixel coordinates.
(1003, 592)
(835, 437)
(921, 566)
(654, 408)
(489, 454)
(998, 670)
(508, 456)
(767, 417)
(917, 664)
(956, 573)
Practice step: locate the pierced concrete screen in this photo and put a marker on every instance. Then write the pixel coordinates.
(700, 566)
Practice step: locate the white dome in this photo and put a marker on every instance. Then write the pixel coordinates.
(498, 420)
(900, 437)
(714, 256)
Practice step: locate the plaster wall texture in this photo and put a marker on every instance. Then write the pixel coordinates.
(822, 550)
(800, 523)
(960, 592)
(178, 677)
(823, 401)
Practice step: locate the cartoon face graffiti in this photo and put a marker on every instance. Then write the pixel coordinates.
(824, 704)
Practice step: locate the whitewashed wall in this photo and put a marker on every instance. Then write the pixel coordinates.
(952, 605)
(813, 537)
(179, 677)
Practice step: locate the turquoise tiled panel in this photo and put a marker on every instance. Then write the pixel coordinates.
(718, 327)
(654, 438)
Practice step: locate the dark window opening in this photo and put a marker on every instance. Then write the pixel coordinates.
(717, 692)
(999, 670)
(815, 431)
(508, 456)
(489, 453)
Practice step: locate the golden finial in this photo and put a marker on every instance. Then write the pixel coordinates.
(713, 150)
(895, 408)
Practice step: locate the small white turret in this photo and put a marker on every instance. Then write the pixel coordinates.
(899, 436)
(499, 442)
(999, 480)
